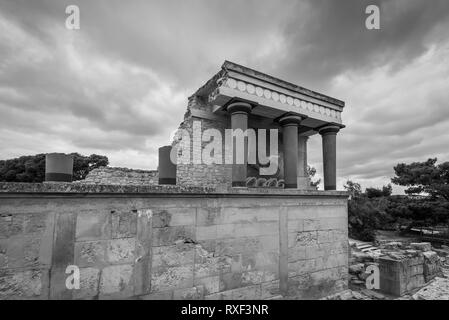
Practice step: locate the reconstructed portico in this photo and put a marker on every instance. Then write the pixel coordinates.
(240, 98)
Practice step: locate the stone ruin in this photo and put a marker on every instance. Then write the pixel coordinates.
(203, 231)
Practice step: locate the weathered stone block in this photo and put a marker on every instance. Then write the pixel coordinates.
(116, 281)
(247, 245)
(163, 279)
(169, 256)
(269, 289)
(195, 293)
(24, 252)
(422, 246)
(11, 225)
(89, 280)
(172, 217)
(247, 293)
(306, 238)
(297, 252)
(206, 232)
(35, 223)
(23, 284)
(163, 295)
(170, 235)
(93, 226)
(121, 250)
(258, 276)
(295, 226)
(211, 284)
(311, 224)
(248, 215)
(123, 224)
(231, 280)
(208, 216)
(301, 267)
(90, 253)
(207, 264)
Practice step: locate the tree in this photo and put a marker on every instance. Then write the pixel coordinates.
(32, 168)
(311, 171)
(424, 177)
(82, 165)
(377, 193)
(354, 189)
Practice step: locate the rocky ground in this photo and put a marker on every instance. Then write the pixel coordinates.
(363, 254)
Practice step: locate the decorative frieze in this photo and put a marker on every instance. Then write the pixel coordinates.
(278, 97)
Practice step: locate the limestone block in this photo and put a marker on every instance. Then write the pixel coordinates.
(247, 293)
(195, 293)
(259, 276)
(90, 253)
(121, 250)
(208, 216)
(422, 246)
(11, 225)
(210, 284)
(35, 223)
(306, 238)
(301, 267)
(169, 235)
(298, 284)
(207, 264)
(297, 252)
(311, 224)
(237, 215)
(93, 226)
(123, 224)
(296, 225)
(163, 295)
(247, 245)
(27, 251)
(172, 217)
(116, 281)
(269, 289)
(206, 232)
(89, 279)
(23, 284)
(169, 256)
(170, 278)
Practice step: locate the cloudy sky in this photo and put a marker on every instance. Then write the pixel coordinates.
(119, 85)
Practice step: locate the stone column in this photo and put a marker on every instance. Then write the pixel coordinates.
(290, 125)
(58, 167)
(329, 136)
(239, 120)
(303, 177)
(166, 168)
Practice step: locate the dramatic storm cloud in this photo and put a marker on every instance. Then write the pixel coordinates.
(119, 85)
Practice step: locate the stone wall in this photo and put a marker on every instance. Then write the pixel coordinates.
(171, 242)
(215, 175)
(120, 176)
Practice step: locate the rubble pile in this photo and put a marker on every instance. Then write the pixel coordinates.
(407, 270)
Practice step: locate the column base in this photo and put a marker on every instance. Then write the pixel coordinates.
(167, 180)
(239, 183)
(330, 188)
(291, 186)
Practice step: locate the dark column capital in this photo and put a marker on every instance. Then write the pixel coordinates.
(290, 120)
(239, 107)
(329, 130)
